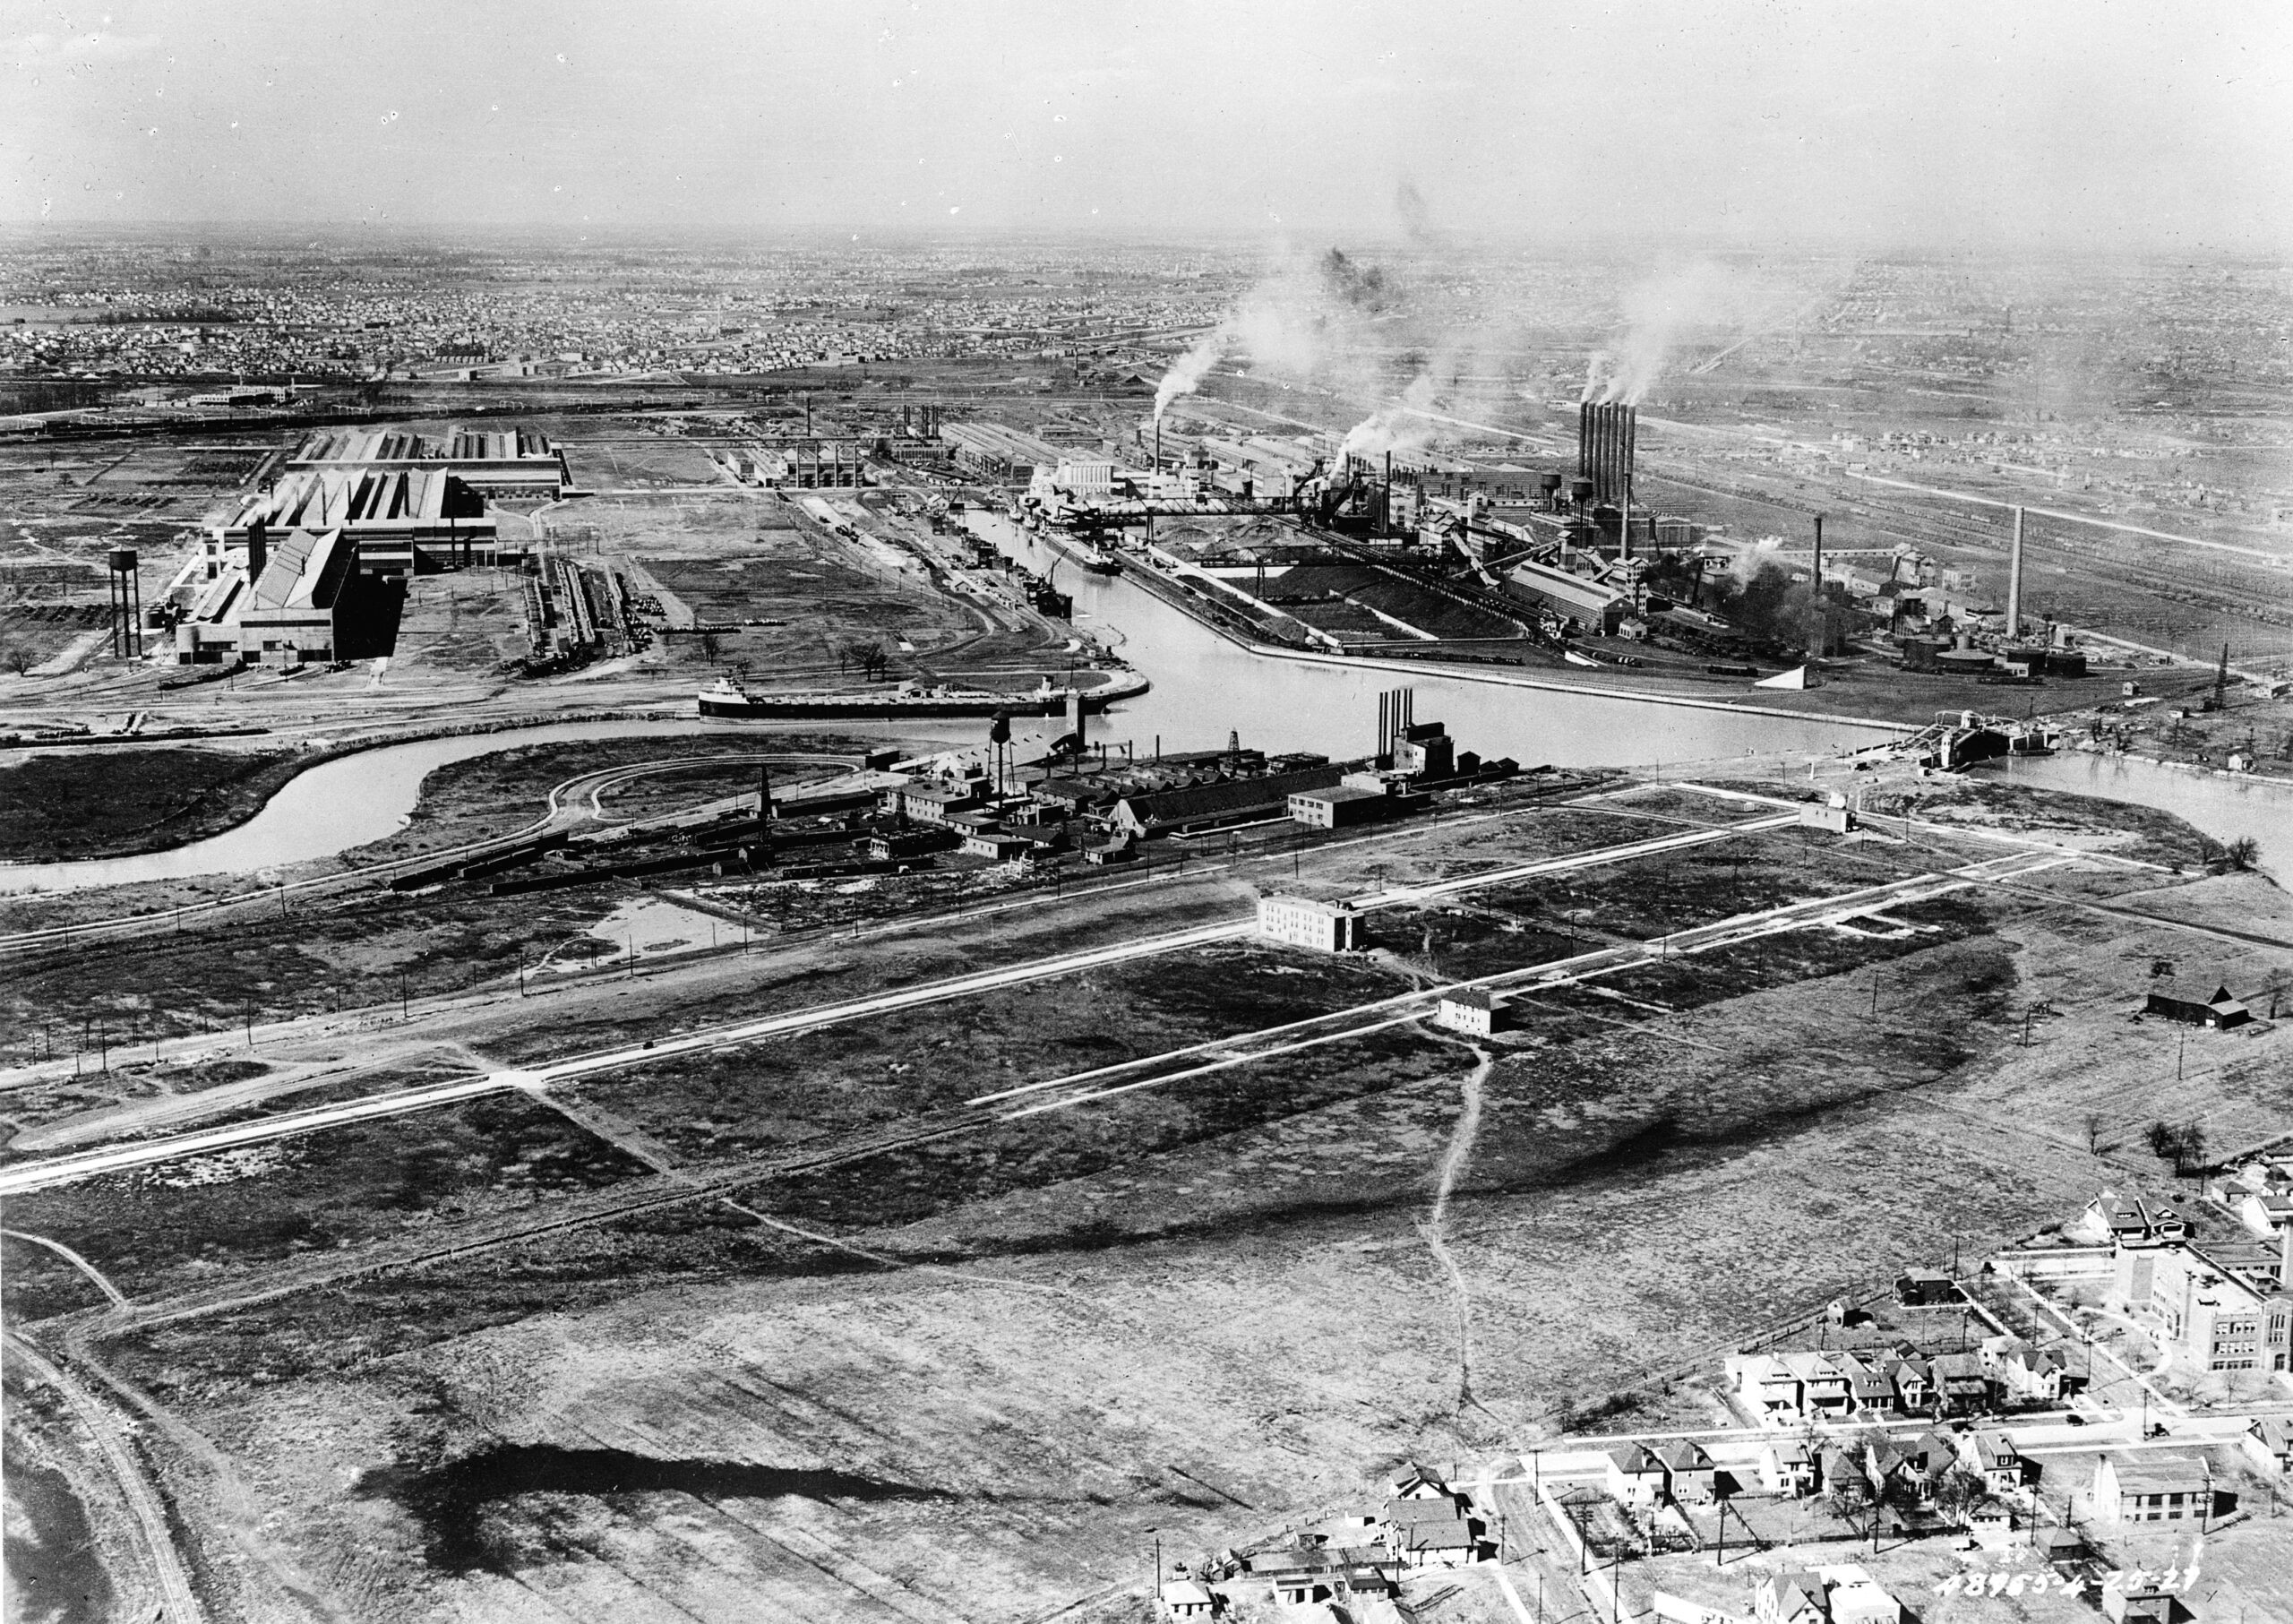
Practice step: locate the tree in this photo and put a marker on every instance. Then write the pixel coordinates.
(1959, 1493)
(2094, 1125)
(2165, 1141)
(17, 660)
(1850, 1499)
(2191, 1155)
(2242, 853)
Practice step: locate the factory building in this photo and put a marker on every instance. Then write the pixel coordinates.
(292, 613)
(397, 521)
(993, 452)
(1214, 805)
(1343, 805)
(1589, 604)
(810, 464)
(495, 463)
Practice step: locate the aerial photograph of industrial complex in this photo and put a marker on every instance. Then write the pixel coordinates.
(1442, 813)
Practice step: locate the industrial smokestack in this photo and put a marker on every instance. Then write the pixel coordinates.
(258, 550)
(1816, 620)
(2014, 582)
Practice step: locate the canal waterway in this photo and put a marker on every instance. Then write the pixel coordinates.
(1204, 688)
(2225, 807)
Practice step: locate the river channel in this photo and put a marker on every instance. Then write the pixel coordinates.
(1205, 687)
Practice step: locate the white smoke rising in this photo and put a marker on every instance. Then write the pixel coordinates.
(1187, 373)
(1600, 371)
(1705, 300)
(1402, 427)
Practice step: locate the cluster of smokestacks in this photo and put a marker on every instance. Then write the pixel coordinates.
(1606, 432)
(1396, 715)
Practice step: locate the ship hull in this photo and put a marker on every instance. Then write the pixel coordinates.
(752, 708)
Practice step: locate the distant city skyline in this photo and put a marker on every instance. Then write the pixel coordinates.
(2044, 126)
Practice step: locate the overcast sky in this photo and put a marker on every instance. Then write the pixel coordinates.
(2154, 126)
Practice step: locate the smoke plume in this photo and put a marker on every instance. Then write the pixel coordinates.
(1705, 301)
(1187, 373)
(1416, 218)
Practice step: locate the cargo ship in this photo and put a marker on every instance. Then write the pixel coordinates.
(726, 699)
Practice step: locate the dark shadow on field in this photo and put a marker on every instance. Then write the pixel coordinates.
(449, 1500)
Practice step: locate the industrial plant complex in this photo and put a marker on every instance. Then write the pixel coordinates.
(896, 932)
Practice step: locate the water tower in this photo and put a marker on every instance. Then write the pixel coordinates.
(126, 605)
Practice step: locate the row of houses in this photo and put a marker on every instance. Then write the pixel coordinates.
(1811, 1385)
(2259, 1194)
(1903, 1469)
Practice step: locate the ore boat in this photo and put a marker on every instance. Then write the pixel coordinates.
(728, 700)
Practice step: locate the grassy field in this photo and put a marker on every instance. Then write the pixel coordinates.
(107, 801)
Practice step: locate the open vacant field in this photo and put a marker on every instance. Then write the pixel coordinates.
(980, 1372)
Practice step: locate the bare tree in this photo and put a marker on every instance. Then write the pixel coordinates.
(2094, 1125)
(17, 660)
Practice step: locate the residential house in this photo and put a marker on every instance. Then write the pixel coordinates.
(1691, 1476)
(2023, 1370)
(2112, 1218)
(1788, 1467)
(1428, 1527)
(2155, 1486)
(1796, 1596)
(1991, 1456)
(2267, 1212)
(1960, 1383)
(1872, 1389)
(1914, 1384)
(1770, 1388)
(1906, 1468)
(1185, 1599)
(1826, 1387)
(1636, 1477)
(1416, 1483)
(1837, 1462)
(2268, 1443)
(2036, 1375)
